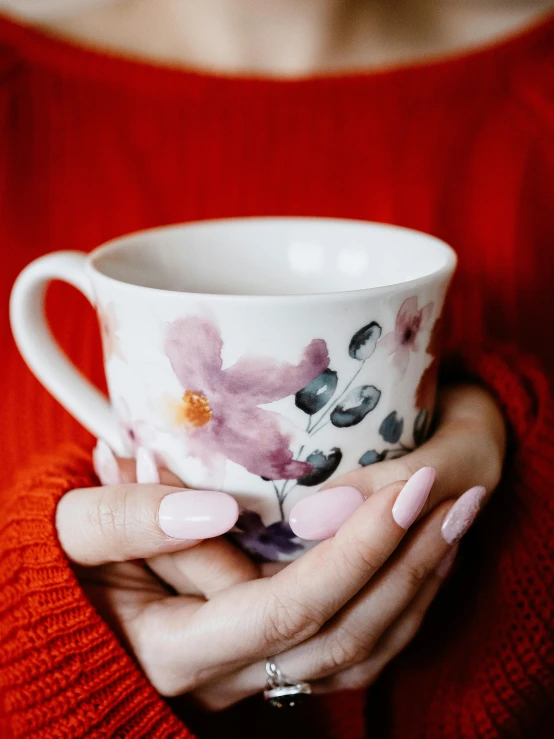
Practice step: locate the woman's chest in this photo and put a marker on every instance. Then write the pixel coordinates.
(82, 168)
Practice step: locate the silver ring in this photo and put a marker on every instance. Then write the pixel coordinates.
(281, 691)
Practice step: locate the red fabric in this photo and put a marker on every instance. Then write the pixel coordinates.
(95, 146)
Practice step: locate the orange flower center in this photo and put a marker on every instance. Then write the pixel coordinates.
(194, 410)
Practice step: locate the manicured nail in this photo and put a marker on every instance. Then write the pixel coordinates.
(105, 464)
(462, 514)
(412, 497)
(443, 568)
(321, 515)
(197, 514)
(146, 468)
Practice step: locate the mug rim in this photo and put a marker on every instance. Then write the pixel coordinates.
(445, 271)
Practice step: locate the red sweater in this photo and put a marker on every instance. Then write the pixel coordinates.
(95, 146)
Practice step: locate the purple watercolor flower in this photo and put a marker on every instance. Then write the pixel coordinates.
(403, 340)
(219, 408)
(265, 543)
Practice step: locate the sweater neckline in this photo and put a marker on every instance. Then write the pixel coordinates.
(93, 63)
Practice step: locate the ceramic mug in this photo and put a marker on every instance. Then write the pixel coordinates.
(260, 357)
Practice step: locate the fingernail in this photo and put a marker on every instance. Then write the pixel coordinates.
(197, 514)
(412, 497)
(146, 468)
(462, 514)
(105, 464)
(321, 515)
(445, 565)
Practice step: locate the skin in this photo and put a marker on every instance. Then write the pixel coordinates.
(340, 613)
(282, 37)
(336, 616)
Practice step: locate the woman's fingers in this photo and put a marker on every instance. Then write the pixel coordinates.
(364, 637)
(393, 641)
(259, 618)
(206, 569)
(129, 521)
(209, 567)
(114, 471)
(224, 692)
(466, 450)
(184, 643)
(352, 635)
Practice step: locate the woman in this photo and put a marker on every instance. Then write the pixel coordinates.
(384, 111)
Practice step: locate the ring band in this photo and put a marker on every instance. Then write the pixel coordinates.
(282, 691)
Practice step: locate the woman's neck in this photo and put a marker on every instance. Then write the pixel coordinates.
(287, 37)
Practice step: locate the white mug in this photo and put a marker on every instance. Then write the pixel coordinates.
(260, 357)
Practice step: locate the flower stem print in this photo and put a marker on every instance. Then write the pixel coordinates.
(321, 406)
(280, 495)
(355, 407)
(315, 396)
(351, 406)
(391, 430)
(400, 343)
(317, 422)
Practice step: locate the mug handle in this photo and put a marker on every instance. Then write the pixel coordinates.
(42, 352)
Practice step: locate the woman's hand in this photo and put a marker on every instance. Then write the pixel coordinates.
(341, 610)
(466, 449)
(335, 617)
(350, 650)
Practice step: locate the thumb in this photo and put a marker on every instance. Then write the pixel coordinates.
(117, 523)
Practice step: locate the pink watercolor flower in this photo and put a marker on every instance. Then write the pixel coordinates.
(219, 408)
(109, 327)
(404, 339)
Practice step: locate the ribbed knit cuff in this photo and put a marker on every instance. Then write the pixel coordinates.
(509, 678)
(516, 381)
(523, 392)
(482, 665)
(63, 673)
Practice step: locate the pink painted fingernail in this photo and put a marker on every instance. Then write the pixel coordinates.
(197, 514)
(105, 464)
(412, 497)
(321, 515)
(462, 514)
(445, 565)
(146, 468)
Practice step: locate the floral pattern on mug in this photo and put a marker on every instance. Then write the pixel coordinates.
(109, 328)
(426, 389)
(391, 430)
(326, 401)
(401, 342)
(392, 427)
(136, 431)
(219, 412)
(219, 409)
(265, 543)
